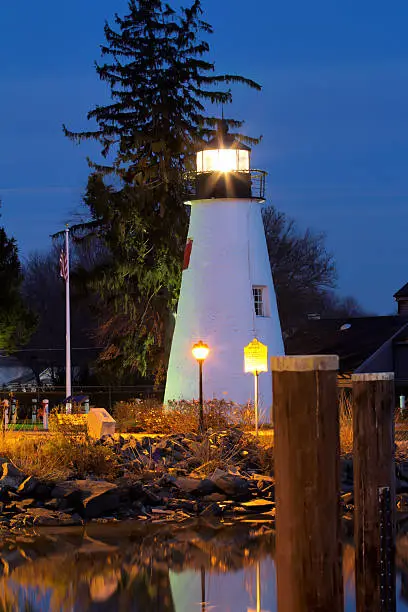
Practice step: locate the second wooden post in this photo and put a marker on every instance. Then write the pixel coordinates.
(307, 456)
(374, 491)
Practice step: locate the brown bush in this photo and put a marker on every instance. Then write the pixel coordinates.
(151, 416)
(58, 457)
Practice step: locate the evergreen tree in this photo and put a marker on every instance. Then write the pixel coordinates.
(160, 84)
(16, 321)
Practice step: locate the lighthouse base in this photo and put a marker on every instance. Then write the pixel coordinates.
(227, 268)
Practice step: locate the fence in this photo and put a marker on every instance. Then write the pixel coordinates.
(100, 396)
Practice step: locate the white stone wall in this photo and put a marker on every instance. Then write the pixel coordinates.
(229, 256)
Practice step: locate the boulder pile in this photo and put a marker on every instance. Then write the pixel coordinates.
(162, 479)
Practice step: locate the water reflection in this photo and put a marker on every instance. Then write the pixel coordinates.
(217, 568)
(137, 568)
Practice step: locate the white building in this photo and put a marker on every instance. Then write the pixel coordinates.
(227, 296)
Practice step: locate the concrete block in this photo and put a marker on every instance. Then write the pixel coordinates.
(100, 423)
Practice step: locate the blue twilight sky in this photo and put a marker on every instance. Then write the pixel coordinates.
(333, 114)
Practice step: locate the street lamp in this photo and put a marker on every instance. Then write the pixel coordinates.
(200, 352)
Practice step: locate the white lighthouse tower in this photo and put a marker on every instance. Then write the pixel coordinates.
(227, 296)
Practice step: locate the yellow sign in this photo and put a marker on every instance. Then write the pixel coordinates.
(256, 357)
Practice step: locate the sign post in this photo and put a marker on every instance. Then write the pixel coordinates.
(256, 361)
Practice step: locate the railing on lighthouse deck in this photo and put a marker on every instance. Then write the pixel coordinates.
(210, 184)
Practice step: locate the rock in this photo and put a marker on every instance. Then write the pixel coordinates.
(21, 505)
(263, 478)
(195, 486)
(100, 423)
(53, 504)
(401, 486)
(402, 503)
(107, 440)
(131, 450)
(46, 517)
(187, 505)
(42, 491)
(103, 498)
(177, 456)
(346, 471)
(91, 498)
(128, 453)
(230, 484)
(214, 497)
(149, 476)
(136, 491)
(256, 506)
(11, 476)
(68, 491)
(130, 443)
(28, 486)
(401, 470)
(347, 498)
(151, 499)
(212, 510)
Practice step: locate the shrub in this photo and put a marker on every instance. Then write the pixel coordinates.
(58, 457)
(67, 424)
(150, 415)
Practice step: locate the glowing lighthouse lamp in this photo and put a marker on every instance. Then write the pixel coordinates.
(227, 296)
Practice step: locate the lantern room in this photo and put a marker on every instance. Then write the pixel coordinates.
(223, 170)
(232, 159)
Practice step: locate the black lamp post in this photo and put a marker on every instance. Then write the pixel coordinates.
(200, 352)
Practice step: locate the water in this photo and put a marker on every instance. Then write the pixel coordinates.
(148, 568)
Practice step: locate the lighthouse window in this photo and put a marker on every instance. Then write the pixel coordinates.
(243, 160)
(259, 301)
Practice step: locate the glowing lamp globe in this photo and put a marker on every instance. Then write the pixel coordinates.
(200, 351)
(223, 160)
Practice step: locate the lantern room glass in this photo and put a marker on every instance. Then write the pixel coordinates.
(223, 160)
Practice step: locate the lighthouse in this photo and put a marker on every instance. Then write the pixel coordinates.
(227, 296)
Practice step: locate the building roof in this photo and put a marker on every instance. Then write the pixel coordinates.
(352, 339)
(401, 293)
(223, 139)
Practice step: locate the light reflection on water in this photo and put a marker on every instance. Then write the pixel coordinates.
(137, 568)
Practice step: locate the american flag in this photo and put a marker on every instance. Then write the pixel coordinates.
(63, 265)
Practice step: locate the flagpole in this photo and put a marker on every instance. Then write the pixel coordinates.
(68, 389)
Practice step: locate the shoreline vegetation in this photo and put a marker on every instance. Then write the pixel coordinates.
(65, 478)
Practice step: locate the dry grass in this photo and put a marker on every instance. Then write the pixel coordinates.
(346, 422)
(58, 457)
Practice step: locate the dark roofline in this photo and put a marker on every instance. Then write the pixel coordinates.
(366, 363)
(355, 345)
(402, 293)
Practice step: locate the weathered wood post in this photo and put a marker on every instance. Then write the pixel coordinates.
(307, 458)
(374, 491)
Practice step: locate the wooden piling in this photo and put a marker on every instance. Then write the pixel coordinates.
(307, 451)
(374, 491)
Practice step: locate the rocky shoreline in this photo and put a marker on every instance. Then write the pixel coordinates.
(160, 479)
(164, 479)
